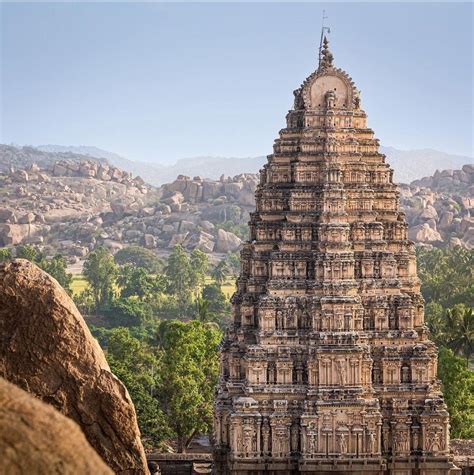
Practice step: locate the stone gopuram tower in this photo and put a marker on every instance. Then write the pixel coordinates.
(327, 367)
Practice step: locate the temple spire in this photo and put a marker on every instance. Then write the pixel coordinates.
(326, 58)
(323, 29)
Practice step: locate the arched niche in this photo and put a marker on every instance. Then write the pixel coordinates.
(316, 90)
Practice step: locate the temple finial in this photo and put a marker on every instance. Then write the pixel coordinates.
(323, 36)
(326, 55)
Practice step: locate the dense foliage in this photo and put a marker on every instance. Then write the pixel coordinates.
(100, 270)
(448, 289)
(170, 371)
(189, 371)
(458, 390)
(139, 256)
(169, 366)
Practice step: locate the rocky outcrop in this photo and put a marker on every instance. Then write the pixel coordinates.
(13, 234)
(70, 206)
(66, 201)
(226, 241)
(47, 349)
(439, 208)
(35, 438)
(424, 233)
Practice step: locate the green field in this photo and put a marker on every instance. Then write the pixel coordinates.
(78, 284)
(229, 287)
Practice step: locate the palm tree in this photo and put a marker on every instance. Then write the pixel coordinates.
(220, 272)
(460, 330)
(202, 309)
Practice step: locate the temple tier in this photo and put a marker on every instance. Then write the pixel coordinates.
(327, 366)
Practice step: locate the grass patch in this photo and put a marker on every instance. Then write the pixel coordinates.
(78, 284)
(229, 287)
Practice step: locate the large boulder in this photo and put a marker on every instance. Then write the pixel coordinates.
(211, 189)
(423, 233)
(12, 234)
(35, 438)
(149, 241)
(468, 168)
(446, 219)
(7, 215)
(227, 241)
(428, 213)
(47, 349)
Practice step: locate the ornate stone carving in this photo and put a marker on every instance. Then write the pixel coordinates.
(328, 336)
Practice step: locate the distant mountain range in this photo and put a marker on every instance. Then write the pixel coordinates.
(409, 165)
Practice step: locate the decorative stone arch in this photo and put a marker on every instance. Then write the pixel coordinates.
(322, 81)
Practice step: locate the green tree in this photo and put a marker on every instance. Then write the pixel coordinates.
(139, 256)
(137, 281)
(458, 390)
(127, 312)
(447, 275)
(179, 275)
(202, 310)
(100, 272)
(5, 254)
(233, 258)
(190, 367)
(138, 367)
(199, 268)
(85, 301)
(459, 333)
(178, 271)
(27, 252)
(57, 268)
(220, 272)
(219, 308)
(434, 317)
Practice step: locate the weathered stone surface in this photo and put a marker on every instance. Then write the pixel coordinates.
(149, 241)
(174, 199)
(27, 218)
(47, 349)
(6, 215)
(185, 226)
(36, 438)
(446, 219)
(12, 234)
(125, 209)
(429, 213)
(227, 241)
(468, 168)
(424, 233)
(177, 239)
(328, 342)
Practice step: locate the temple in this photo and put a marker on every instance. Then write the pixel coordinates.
(327, 367)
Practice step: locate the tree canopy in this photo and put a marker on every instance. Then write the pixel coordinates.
(100, 271)
(448, 289)
(190, 368)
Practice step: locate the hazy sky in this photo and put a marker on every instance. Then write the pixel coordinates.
(161, 81)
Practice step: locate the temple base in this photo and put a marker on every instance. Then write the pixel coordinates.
(376, 466)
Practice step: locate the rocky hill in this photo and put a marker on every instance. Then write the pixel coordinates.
(439, 208)
(73, 204)
(70, 206)
(12, 157)
(408, 165)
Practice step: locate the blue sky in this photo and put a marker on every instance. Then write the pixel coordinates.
(162, 81)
